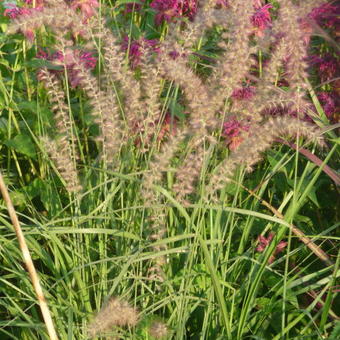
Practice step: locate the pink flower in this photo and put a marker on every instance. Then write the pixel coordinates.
(132, 6)
(87, 7)
(13, 11)
(67, 60)
(232, 130)
(38, 3)
(169, 9)
(174, 55)
(261, 20)
(135, 48)
(222, 3)
(327, 66)
(243, 93)
(189, 8)
(327, 14)
(330, 103)
(263, 243)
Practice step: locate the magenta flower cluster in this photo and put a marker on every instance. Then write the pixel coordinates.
(135, 48)
(264, 242)
(67, 60)
(232, 130)
(330, 103)
(327, 15)
(242, 93)
(261, 19)
(169, 9)
(326, 66)
(87, 7)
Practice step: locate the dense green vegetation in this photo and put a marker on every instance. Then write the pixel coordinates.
(196, 243)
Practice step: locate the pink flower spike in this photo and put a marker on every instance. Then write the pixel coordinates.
(261, 20)
(133, 6)
(232, 130)
(87, 7)
(282, 245)
(330, 103)
(88, 60)
(243, 93)
(326, 14)
(169, 9)
(15, 12)
(135, 48)
(264, 242)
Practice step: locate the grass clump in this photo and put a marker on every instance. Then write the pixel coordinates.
(153, 162)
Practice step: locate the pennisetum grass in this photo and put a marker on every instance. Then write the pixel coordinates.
(163, 212)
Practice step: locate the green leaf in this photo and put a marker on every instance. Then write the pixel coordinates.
(18, 199)
(124, 2)
(22, 144)
(177, 110)
(28, 106)
(3, 125)
(336, 332)
(40, 63)
(34, 188)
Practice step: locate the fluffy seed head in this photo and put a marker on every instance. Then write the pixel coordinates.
(116, 312)
(158, 330)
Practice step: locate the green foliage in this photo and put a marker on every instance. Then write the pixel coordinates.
(90, 247)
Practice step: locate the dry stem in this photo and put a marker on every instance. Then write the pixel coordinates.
(28, 261)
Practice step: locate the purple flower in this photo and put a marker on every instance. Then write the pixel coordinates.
(135, 48)
(166, 10)
(243, 93)
(233, 127)
(327, 66)
(132, 6)
(189, 8)
(169, 9)
(329, 102)
(261, 20)
(87, 7)
(263, 243)
(67, 60)
(232, 130)
(327, 14)
(13, 11)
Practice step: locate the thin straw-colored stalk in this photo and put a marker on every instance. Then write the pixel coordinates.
(28, 261)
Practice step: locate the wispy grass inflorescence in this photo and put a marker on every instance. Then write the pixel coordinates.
(119, 73)
(236, 60)
(128, 101)
(59, 151)
(105, 111)
(56, 15)
(116, 312)
(259, 139)
(56, 96)
(158, 330)
(63, 151)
